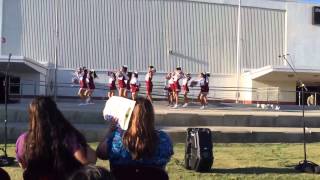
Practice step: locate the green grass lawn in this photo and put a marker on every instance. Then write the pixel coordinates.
(234, 161)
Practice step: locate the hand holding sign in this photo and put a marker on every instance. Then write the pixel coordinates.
(120, 108)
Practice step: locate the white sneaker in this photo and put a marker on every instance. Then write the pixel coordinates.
(202, 107)
(175, 106)
(185, 105)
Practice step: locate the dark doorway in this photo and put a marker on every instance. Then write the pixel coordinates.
(2, 86)
(14, 87)
(311, 90)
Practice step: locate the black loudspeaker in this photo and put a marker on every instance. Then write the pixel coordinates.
(198, 150)
(316, 15)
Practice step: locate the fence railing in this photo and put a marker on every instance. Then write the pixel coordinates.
(272, 95)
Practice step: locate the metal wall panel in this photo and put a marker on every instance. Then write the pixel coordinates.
(104, 34)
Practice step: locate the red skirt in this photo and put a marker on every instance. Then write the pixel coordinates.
(134, 88)
(122, 84)
(83, 84)
(185, 88)
(177, 86)
(204, 88)
(172, 87)
(149, 86)
(112, 86)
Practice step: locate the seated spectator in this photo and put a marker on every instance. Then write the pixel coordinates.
(91, 173)
(4, 175)
(310, 100)
(51, 148)
(141, 144)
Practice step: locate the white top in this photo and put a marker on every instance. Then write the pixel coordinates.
(202, 81)
(134, 81)
(184, 81)
(171, 81)
(147, 77)
(122, 76)
(177, 76)
(111, 79)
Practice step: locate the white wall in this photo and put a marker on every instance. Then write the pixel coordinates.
(303, 36)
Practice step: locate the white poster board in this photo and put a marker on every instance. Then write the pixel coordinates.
(120, 108)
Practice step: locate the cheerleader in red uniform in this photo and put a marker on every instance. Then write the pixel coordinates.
(83, 83)
(149, 84)
(185, 89)
(112, 84)
(134, 86)
(122, 77)
(76, 76)
(128, 85)
(204, 89)
(91, 85)
(178, 74)
(169, 88)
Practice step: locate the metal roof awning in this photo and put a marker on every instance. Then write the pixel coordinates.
(285, 74)
(22, 64)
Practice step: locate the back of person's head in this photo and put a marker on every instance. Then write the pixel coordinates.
(4, 175)
(46, 151)
(141, 138)
(91, 172)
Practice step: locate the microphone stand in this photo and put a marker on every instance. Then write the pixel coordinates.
(304, 165)
(4, 159)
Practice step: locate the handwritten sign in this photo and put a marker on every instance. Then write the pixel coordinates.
(120, 108)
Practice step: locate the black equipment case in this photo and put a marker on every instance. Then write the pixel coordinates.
(198, 149)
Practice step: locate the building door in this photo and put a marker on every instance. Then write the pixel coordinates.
(311, 90)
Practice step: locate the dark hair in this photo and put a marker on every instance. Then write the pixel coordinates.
(93, 74)
(135, 74)
(46, 145)
(141, 138)
(4, 175)
(151, 67)
(125, 68)
(91, 172)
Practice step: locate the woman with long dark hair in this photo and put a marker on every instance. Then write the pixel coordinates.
(51, 148)
(140, 144)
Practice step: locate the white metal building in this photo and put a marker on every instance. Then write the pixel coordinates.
(201, 35)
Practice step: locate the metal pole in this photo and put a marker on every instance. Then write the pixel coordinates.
(34, 88)
(299, 98)
(56, 50)
(238, 50)
(304, 126)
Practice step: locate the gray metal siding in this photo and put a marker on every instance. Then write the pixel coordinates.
(103, 34)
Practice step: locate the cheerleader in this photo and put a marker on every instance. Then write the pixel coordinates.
(122, 77)
(128, 85)
(149, 84)
(112, 84)
(83, 83)
(134, 85)
(178, 74)
(169, 87)
(76, 76)
(91, 85)
(185, 89)
(204, 89)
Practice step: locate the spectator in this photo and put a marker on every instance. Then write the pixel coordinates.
(52, 147)
(4, 175)
(91, 173)
(141, 144)
(310, 100)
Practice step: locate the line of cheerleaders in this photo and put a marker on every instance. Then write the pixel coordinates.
(128, 82)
